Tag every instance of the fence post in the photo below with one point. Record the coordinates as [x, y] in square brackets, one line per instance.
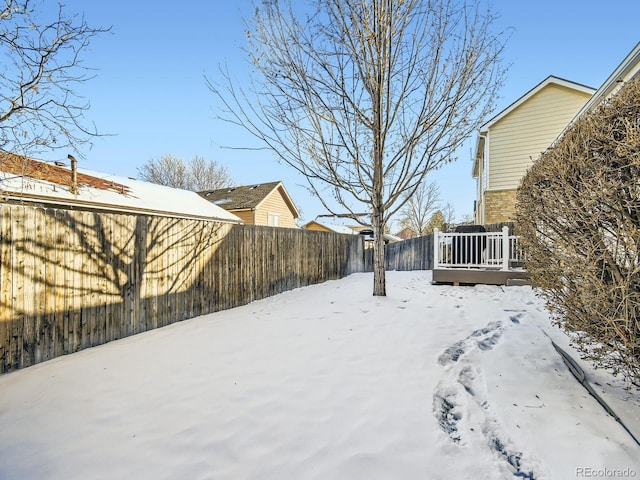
[436, 245]
[505, 248]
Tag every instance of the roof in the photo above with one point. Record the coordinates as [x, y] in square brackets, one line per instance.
[629, 68]
[247, 197]
[353, 230]
[503, 113]
[333, 227]
[26, 179]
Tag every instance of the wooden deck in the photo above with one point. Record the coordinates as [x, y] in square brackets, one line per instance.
[473, 276]
[469, 258]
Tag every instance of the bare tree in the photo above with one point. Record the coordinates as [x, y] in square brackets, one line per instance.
[366, 97]
[467, 218]
[40, 70]
[449, 215]
[197, 175]
[418, 208]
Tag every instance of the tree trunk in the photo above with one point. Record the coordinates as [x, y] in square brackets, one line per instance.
[379, 281]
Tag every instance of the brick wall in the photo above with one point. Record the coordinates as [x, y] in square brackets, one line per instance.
[499, 206]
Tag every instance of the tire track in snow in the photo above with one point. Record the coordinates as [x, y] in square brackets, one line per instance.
[460, 401]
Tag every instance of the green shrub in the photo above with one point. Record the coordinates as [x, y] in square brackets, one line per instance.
[578, 212]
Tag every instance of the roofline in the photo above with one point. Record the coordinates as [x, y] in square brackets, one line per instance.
[484, 129]
[62, 202]
[292, 206]
[243, 209]
[631, 61]
[547, 81]
[328, 227]
[313, 221]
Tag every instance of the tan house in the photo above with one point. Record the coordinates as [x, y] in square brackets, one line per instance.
[508, 144]
[261, 204]
[365, 231]
[328, 227]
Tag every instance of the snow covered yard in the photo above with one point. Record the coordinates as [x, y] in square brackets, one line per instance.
[324, 382]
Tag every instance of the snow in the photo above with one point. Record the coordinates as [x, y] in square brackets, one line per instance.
[141, 197]
[325, 382]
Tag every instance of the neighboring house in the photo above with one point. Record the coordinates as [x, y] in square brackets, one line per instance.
[28, 181]
[328, 227]
[508, 144]
[261, 204]
[406, 233]
[366, 232]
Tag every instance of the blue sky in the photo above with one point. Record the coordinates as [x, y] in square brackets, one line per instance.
[149, 91]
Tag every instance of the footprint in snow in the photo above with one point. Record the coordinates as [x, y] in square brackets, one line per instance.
[453, 353]
[484, 339]
[448, 413]
[513, 458]
[468, 395]
[516, 317]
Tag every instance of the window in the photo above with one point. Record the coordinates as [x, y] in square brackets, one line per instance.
[273, 219]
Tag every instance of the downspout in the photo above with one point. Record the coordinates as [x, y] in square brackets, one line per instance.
[481, 177]
[485, 172]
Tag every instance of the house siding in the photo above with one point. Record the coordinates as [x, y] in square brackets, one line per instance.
[317, 227]
[274, 203]
[245, 215]
[520, 137]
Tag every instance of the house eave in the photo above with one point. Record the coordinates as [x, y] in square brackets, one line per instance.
[628, 68]
[12, 197]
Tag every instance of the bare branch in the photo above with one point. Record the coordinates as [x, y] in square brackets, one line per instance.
[366, 98]
[41, 68]
[196, 175]
[421, 204]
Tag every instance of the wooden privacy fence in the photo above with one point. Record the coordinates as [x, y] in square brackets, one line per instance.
[70, 279]
[411, 254]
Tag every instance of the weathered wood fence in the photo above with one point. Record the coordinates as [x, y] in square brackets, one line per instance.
[70, 279]
[417, 253]
[411, 254]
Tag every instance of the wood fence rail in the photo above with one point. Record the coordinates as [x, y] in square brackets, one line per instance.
[71, 279]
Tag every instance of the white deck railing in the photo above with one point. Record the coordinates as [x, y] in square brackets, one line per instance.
[477, 250]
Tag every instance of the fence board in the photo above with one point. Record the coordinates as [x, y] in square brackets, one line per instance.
[111, 275]
[71, 279]
[29, 261]
[44, 272]
[6, 288]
